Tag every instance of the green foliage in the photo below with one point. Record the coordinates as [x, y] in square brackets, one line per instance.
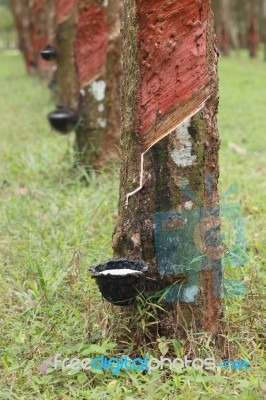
[53, 226]
[6, 18]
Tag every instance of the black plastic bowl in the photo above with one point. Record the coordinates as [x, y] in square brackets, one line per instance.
[120, 290]
[49, 53]
[63, 120]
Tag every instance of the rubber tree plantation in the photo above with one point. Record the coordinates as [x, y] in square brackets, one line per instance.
[21, 12]
[79, 44]
[167, 239]
[264, 27]
[41, 31]
[226, 33]
[168, 216]
[35, 26]
[88, 75]
[253, 27]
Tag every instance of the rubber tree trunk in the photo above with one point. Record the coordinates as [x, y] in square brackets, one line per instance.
[253, 28]
[225, 26]
[66, 75]
[241, 20]
[170, 64]
[226, 29]
[21, 12]
[42, 25]
[264, 27]
[88, 76]
[98, 37]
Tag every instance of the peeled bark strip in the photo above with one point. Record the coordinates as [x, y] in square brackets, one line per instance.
[170, 63]
[97, 55]
[169, 45]
[91, 41]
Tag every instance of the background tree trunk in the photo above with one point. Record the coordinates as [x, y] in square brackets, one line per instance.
[36, 27]
[226, 29]
[21, 12]
[264, 27]
[253, 28]
[241, 13]
[66, 75]
[88, 75]
[98, 135]
[50, 67]
[180, 163]
[42, 25]
[225, 26]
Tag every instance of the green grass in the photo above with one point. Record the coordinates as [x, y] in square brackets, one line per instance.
[52, 227]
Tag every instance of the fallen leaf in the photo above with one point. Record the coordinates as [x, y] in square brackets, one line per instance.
[236, 148]
[45, 365]
[22, 190]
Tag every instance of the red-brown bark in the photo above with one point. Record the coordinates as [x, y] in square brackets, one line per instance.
[155, 40]
[40, 29]
[36, 28]
[225, 27]
[89, 74]
[21, 12]
[170, 45]
[264, 27]
[64, 8]
[91, 43]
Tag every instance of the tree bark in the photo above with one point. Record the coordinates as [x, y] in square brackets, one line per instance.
[184, 158]
[264, 27]
[21, 12]
[88, 76]
[225, 26]
[253, 28]
[98, 135]
[42, 26]
[66, 75]
[35, 21]
[241, 20]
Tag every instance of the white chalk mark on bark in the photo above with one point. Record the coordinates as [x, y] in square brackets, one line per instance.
[101, 107]
[182, 156]
[102, 122]
[188, 205]
[98, 90]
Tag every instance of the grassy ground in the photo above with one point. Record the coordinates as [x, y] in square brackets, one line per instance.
[52, 227]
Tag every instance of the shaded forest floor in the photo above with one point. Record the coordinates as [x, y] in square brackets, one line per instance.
[52, 227]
